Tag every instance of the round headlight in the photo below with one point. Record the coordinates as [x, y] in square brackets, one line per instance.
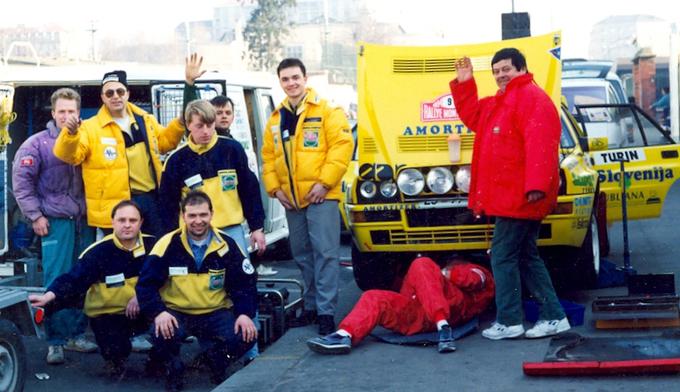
[440, 180]
[368, 189]
[463, 179]
[411, 182]
[388, 189]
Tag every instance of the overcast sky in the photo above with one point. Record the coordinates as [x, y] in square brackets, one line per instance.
[455, 20]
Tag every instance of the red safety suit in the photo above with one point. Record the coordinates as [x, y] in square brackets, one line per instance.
[426, 296]
[517, 135]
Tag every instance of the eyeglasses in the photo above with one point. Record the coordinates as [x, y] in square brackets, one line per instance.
[119, 91]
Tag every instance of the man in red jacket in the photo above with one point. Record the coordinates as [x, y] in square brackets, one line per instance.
[429, 299]
[514, 179]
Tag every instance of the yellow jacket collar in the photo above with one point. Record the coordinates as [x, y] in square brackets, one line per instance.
[311, 98]
[105, 117]
[200, 149]
[137, 251]
[217, 244]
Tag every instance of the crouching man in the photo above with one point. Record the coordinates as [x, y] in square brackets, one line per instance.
[429, 299]
[197, 282]
[108, 271]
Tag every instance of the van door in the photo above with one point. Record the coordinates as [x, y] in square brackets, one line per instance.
[650, 155]
[6, 92]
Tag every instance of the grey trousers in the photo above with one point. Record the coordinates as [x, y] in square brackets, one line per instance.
[315, 244]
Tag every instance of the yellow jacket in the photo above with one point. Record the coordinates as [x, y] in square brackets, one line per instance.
[100, 147]
[319, 152]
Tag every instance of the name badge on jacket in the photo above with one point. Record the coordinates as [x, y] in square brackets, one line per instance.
[178, 271]
[115, 280]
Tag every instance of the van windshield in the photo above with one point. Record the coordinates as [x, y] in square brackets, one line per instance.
[586, 95]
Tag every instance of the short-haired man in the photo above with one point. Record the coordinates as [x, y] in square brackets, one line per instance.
[119, 150]
[50, 194]
[514, 179]
[196, 281]
[306, 150]
[429, 299]
[108, 271]
[219, 167]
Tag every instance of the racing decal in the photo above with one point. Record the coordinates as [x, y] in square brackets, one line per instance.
[556, 52]
[228, 179]
[657, 173]
[583, 201]
[441, 109]
[633, 198]
[110, 153]
[216, 279]
[310, 138]
[115, 280]
[424, 130]
[632, 155]
[247, 267]
[423, 205]
[376, 171]
[26, 161]
[586, 180]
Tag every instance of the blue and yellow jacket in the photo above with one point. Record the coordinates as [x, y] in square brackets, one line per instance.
[108, 272]
[170, 278]
[219, 169]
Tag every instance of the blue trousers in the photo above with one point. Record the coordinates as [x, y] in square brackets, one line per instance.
[214, 330]
[113, 332]
[515, 259]
[66, 239]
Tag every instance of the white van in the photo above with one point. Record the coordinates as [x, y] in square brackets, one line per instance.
[158, 90]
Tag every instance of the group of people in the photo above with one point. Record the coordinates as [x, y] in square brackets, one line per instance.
[173, 259]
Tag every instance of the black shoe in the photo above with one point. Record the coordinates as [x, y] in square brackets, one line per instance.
[305, 318]
[326, 324]
[446, 341]
[114, 368]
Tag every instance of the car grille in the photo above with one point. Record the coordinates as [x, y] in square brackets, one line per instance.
[440, 217]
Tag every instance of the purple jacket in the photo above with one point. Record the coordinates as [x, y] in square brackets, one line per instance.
[44, 185]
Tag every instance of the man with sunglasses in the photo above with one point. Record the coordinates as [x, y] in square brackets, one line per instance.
[119, 152]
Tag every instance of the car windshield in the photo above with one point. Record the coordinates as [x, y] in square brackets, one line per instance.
[566, 140]
[586, 95]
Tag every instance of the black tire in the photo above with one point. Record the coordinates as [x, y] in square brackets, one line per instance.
[374, 270]
[12, 358]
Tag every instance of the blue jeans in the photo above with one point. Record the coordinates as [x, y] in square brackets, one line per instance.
[66, 239]
[113, 332]
[515, 259]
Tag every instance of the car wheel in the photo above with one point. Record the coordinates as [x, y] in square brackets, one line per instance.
[12, 358]
[373, 270]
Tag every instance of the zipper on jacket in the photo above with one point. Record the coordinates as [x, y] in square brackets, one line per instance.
[288, 164]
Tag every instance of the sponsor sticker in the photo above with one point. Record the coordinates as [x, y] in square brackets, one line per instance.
[110, 153]
[26, 161]
[441, 108]
[229, 180]
[631, 155]
[247, 266]
[216, 281]
[311, 138]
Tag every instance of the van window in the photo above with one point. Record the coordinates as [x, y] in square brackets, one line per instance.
[586, 95]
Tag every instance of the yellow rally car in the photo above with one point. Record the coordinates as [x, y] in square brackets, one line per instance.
[407, 196]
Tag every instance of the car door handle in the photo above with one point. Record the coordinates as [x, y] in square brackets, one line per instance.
[669, 154]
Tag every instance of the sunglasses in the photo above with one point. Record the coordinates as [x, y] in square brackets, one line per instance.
[119, 91]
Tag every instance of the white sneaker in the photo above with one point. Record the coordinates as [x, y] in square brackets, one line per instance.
[499, 331]
[140, 344]
[263, 270]
[55, 355]
[544, 328]
[80, 345]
